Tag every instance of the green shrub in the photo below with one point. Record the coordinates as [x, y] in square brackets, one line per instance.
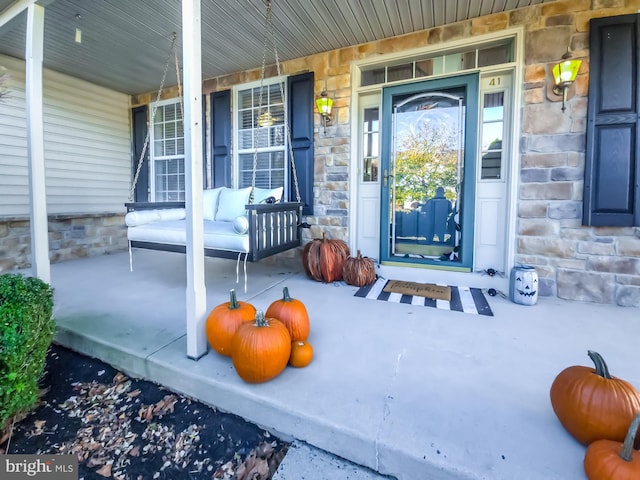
[26, 332]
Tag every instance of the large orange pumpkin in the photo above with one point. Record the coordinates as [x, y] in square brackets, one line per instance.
[224, 320]
[292, 313]
[359, 271]
[261, 349]
[324, 258]
[610, 460]
[593, 405]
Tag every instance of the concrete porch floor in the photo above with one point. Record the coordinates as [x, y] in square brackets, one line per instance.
[408, 391]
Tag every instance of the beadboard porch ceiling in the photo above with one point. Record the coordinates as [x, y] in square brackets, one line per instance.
[125, 43]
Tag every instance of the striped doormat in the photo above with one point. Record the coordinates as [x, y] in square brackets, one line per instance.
[463, 299]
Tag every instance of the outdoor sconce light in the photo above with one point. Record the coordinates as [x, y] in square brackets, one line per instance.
[325, 104]
[564, 74]
[265, 119]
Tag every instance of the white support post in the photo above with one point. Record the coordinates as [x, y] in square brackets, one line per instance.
[35, 144]
[192, 76]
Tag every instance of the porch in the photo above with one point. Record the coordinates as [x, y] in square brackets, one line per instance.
[409, 391]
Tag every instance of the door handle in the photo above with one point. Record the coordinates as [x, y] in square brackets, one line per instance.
[386, 177]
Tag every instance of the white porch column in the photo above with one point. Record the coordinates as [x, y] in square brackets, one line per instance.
[192, 76]
[35, 144]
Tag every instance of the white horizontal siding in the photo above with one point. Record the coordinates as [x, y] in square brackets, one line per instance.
[87, 145]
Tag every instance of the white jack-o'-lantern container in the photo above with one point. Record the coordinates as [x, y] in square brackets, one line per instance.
[523, 285]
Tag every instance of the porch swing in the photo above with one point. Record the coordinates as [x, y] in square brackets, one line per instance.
[254, 225]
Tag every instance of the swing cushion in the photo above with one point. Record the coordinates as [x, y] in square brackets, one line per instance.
[217, 235]
[142, 217]
[231, 203]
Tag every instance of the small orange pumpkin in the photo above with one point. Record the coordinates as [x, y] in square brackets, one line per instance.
[292, 313]
[359, 271]
[261, 349]
[610, 460]
[593, 405]
[301, 354]
[224, 320]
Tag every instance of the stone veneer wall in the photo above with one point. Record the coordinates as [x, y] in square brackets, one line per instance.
[573, 262]
[70, 236]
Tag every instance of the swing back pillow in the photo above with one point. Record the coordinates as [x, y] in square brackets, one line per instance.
[210, 203]
[262, 194]
[232, 203]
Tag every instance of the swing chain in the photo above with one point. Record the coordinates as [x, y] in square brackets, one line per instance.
[153, 113]
[269, 30]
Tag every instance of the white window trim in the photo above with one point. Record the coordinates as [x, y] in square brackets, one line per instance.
[151, 146]
[236, 89]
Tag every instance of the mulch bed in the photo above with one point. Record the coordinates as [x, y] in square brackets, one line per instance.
[123, 428]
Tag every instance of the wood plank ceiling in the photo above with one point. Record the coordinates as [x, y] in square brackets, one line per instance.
[125, 42]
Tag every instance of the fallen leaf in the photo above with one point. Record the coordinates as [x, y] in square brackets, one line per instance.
[261, 468]
[105, 471]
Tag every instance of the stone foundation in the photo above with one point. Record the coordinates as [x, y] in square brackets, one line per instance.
[70, 236]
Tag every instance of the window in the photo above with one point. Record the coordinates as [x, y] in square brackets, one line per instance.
[167, 153]
[261, 136]
[439, 64]
[370, 142]
[492, 133]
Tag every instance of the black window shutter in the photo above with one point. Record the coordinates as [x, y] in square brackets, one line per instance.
[612, 166]
[139, 125]
[300, 112]
[220, 127]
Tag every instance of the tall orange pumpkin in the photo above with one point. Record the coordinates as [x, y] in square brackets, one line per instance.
[292, 313]
[323, 258]
[261, 349]
[224, 320]
[593, 405]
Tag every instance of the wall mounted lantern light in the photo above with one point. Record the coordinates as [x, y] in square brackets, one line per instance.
[265, 119]
[564, 74]
[325, 105]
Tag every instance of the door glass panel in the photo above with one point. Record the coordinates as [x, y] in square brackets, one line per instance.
[494, 55]
[372, 77]
[492, 133]
[427, 170]
[400, 72]
[370, 145]
[424, 68]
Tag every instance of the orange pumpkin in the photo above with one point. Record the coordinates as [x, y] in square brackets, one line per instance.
[324, 258]
[359, 271]
[610, 460]
[593, 405]
[224, 320]
[301, 354]
[261, 349]
[292, 313]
